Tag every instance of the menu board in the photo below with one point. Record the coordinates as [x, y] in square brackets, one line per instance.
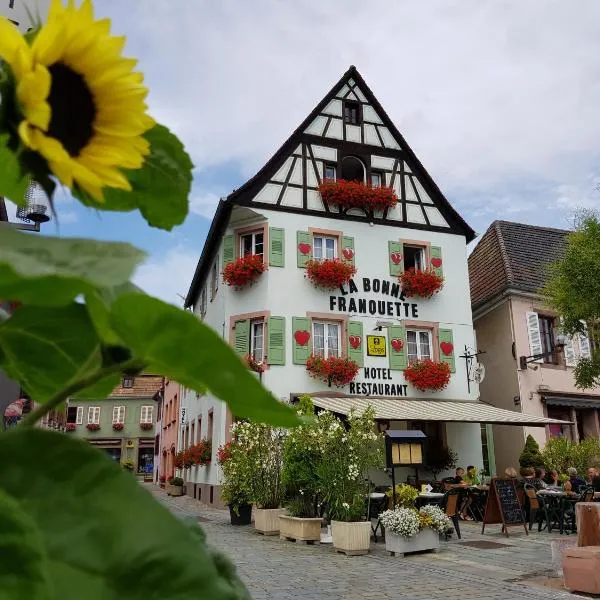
[503, 506]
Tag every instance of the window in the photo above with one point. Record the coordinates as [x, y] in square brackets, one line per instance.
[211, 424]
[79, 417]
[418, 345]
[193, 434]
[203, 302]
[71, 414]
[329, 173]
[200, 427]
[414, 257]
[257, 329]
[128, 382]
[326, 339]
[324, 247]
[146, 414]
[93, 415]
[351, 112]
[118, 415]
[214, 282]
[547, 339]
[252, 243]
[376, 179]
[353, 169]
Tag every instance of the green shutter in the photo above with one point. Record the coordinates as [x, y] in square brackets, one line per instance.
[356, 342]
[396, 258]
[398, 357]
[276, 346]
[276, 247]
[303, 242]
[228, 249]
[348, 249]
[302, 344]
[241, 331]
[446, 342]
[435, 259]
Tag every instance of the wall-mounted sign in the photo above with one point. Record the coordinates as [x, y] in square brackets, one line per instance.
[378, 382]
[376, 345]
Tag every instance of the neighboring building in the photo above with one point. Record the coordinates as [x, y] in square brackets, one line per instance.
[280, 216]
[169, 428]
[123, 425]
[507, 269]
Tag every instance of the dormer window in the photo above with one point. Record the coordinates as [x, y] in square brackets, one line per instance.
[329, 173]
[252, 243]
[351, 112]
[128, 381]
[414, 258]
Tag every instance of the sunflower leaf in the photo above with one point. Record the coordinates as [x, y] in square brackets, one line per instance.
[106, 536]
[176, 344]
[52, 271]
[13, 183]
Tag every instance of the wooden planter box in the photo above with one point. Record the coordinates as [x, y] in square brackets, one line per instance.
[174, 490]
[351, 538]
[581, 567]
[266, 520]
[300, 528]
[428, 539]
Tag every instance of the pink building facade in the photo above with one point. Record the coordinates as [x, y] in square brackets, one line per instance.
[169, 429]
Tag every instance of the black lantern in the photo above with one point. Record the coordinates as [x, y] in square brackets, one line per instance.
[37, 207]
[403, 448]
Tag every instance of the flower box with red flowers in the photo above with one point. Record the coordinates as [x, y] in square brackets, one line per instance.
[258, 366]
[243, 271]
[224, 453]
[335, 370]
[200, 453]
[330, 273]
[118, 426]
[146, 426]
[354, 194]
[70, 427]
[93, 426]
[427, 375]
[179, 459]
[421, 283]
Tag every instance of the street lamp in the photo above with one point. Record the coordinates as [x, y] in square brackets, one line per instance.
[403, 448]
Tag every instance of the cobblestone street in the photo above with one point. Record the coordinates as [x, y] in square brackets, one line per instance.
[277, 570]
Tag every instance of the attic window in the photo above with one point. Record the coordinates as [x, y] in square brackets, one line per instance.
[128, 381]
[351, 112]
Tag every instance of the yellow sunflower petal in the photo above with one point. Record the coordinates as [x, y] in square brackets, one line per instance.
[49, 43]
[11, 41]
[90, 182]
[39, 115]
[26, 134]
[109, 176]
[34, 87]
[56, 10]
[63, 170]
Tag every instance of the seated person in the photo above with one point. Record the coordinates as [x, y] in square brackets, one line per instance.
[471, 476]
[576, 482]
[510, 473]
[596, 483]
[460, 473]
[538, 480]
[552, 479]
[590, 474]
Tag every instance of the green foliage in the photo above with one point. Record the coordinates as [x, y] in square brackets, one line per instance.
[128, 465]
[13, 183]
[406, 495]
[560, 453]
[531, 455]
[176, 481]
[573, 289]
[440, 458]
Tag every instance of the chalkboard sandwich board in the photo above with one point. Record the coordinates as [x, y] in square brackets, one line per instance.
[503, 506]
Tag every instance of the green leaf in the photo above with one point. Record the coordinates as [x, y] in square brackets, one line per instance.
[24, 567]
[46, 348]
[106, 537]
[13, 183]
[176, 344]
[160, 189]
[51, 271]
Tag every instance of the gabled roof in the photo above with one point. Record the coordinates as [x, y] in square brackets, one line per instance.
[144, 386]
[513, 256]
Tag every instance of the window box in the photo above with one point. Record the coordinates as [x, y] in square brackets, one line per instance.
[243, 271]
[93, 426]
[118, 426]
[200, 453]
[354, 194]
[335, 370]
[421, 283]
[329, 273]
[146, 426]
[427, 375]
[258, 366]
[70, 427]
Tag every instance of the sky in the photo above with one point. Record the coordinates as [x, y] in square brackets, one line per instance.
[499, 100]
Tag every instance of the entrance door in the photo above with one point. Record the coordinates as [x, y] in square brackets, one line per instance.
[146, 460]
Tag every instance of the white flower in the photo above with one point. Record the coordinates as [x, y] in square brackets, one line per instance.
[401, 521]
[441, 522]
[346, 505]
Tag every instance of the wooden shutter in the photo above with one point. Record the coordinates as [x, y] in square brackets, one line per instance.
[533, 331]
[446, 345]
[228, 249]
[569, 350]
[348, 249]
[395, 258]
[241, 331]
[276, 247]
[356, 350]
[435, 258]
[397, 348]
[301, 342]
[303, 248]
[276, 346]
[584, 343]
[79, 415]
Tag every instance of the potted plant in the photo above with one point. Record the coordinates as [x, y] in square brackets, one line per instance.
[336, 370]
[258, 366]
[174, 486]
[235, 490]
[406, 496]
[117, 426]
[411, 530]
[243, 271]
[199, 454]
[146, 426]
[424, 283]
[330, 273]
[70, 426]
[427, 375]
[92, 426]
[348, 453]
[162, 480]
[354, 194]
[440, 458]
[128, 464]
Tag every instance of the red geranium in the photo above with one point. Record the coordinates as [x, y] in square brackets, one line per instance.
[427, 375]
[70, 427]
[93, 426]
[200, 453]
[224, 453]
[146, 426]
[330, 273]
[354, 194]
[243, 271]
[421, 283]
[178, 460]
[337, 370]
[117, 426]
[254, 365]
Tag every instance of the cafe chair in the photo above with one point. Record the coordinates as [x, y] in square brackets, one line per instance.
[448, 482]
[534, 507]
[451, 503]
[587, 494]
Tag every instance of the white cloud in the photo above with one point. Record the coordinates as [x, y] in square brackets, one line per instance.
[204, 205]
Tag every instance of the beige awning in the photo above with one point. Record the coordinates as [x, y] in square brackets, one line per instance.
[396, 409]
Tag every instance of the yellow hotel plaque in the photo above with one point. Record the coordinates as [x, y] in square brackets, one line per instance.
[376, 345]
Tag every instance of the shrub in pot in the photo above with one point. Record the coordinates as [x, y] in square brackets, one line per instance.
[128, 465]
[174, 486]
[531, 455]
[235, 490]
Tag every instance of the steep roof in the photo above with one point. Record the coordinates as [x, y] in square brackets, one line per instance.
[144, 386]
[513, 256]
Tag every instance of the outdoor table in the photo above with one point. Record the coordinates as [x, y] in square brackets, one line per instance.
[425, 498]
[558, 502]
[377, 503]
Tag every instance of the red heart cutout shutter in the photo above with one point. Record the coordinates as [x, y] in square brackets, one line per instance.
[302, 336]
[446, 348]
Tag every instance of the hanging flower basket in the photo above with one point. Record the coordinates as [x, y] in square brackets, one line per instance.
[243, 271]
[335, 370]
[70, 427]
[427, 375]
[93, 426]
[353, 194]
[200, 453]
[118, 426]
[146, 426]
[330, 273]
[258, 366]
[421, 283]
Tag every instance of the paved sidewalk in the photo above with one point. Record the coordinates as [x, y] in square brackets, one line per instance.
[278, 570]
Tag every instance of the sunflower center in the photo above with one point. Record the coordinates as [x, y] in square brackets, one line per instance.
[73, 109]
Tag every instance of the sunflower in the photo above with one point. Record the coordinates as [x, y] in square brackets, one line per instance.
[81, 104]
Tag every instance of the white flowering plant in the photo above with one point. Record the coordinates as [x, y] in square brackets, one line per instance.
[435, 518]
[408, 522]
